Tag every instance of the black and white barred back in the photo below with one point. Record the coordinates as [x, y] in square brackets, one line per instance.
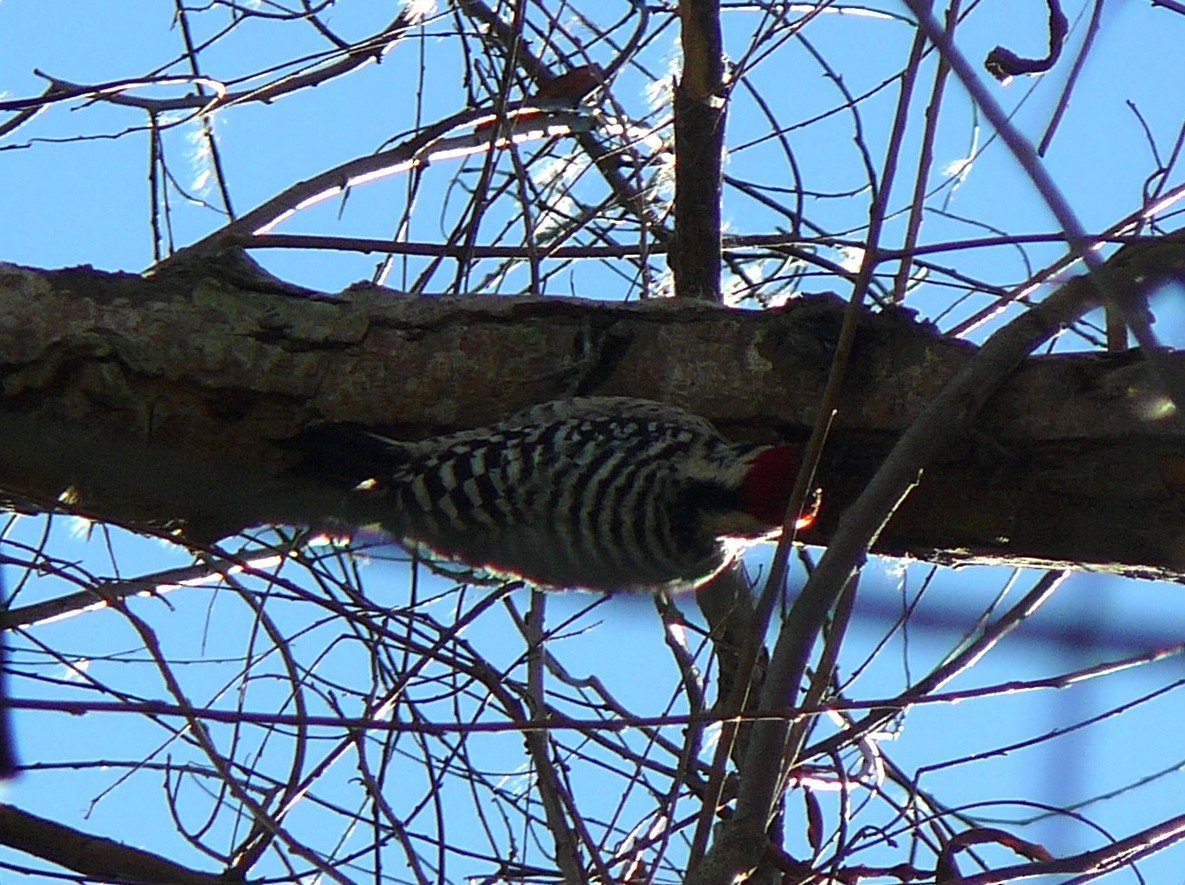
[605, 493]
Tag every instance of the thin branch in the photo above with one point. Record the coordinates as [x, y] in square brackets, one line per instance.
[947, 416]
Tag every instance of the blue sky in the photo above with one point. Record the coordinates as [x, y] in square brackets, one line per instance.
[69, 201]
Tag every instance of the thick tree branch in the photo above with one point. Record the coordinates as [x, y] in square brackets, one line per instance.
[168, 401]
[95, 857]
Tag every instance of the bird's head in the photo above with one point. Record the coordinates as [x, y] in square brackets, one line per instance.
[763, 495]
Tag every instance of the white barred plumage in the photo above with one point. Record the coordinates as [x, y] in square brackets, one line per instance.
[604, 493]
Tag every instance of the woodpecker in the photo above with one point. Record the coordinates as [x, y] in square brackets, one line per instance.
[602, 493]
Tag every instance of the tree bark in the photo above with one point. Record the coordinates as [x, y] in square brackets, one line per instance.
[170, 403]
[92, 856]
[700, 110]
